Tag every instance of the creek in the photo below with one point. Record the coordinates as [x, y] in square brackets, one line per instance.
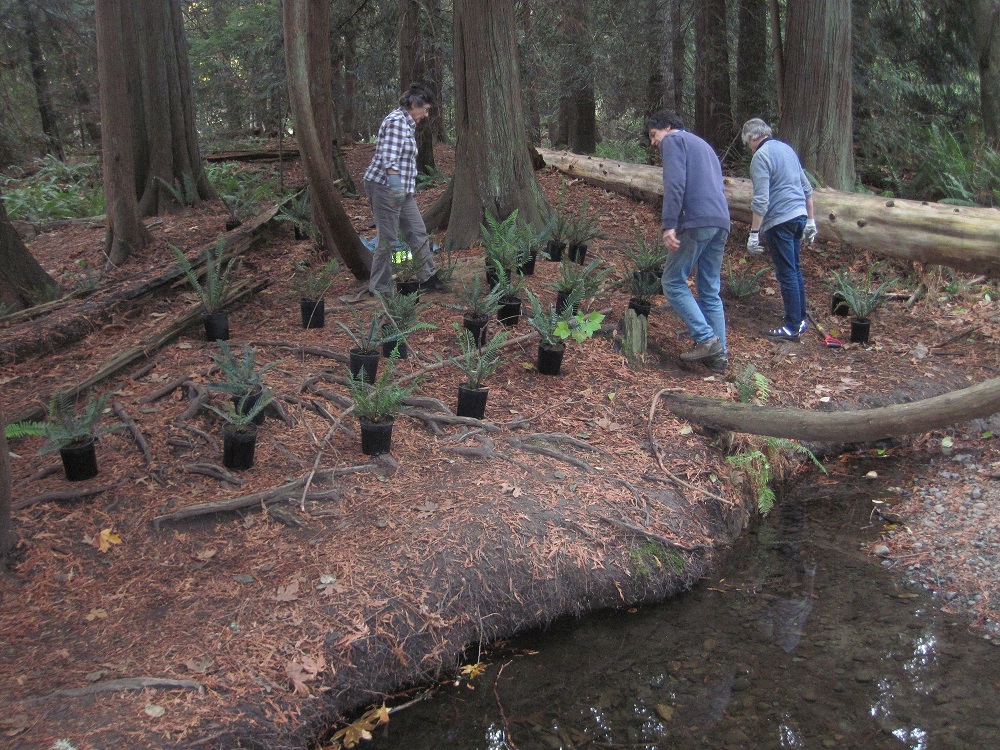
[798, 640]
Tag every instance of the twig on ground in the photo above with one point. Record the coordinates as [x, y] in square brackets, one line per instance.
[562, 437]
[313, 350]
[214, 471]
[212, 442]
[952, 339]
[199, 397]
[503, 715]
[140, 439]
[40, 474]
[550, 452]
[165, 390]
[61, 495]
[651, 535]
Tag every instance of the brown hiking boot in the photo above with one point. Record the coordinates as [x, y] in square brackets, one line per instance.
[706, 350]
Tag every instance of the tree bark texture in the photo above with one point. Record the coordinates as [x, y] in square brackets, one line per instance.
[6, 531]
[964, 238]
[416, 65]
[328, 210]
[40, 77]
[978, 401]
[752, 84]
[816, 116]
[578, 108]
[119, 118]
[986, 30]
[22, 280]
[713, 115]
[493, 169]
[530, 72]
[777, 50]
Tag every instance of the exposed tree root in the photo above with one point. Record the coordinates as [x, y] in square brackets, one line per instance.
[550, 452]
[488, 450]
[61, 496]
[199, 397]
[214, 471]
[652, 536]
[128, 683]
[140, 439]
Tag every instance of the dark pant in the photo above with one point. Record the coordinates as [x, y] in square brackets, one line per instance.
[391, 220]
[784, 241]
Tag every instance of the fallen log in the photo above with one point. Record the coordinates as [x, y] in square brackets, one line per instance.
[25, 336]
[852, 426]
[965, 238]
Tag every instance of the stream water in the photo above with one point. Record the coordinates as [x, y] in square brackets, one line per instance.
[799, 641]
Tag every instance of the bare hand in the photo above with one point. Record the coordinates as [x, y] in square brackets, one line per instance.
[670, 240]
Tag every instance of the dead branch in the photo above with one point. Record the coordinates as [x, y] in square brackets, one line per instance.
[140, 439]
[952, 339]
[550, 452]
[40, 474]
[564, 439]
[283, 515]
[653, 536]
[199, 397]
[212, 442]
[214, 471]
[166, 390]
[128, 683]
[61, 496]
[315, 351]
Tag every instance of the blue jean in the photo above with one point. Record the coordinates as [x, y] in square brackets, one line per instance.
[700, 249]
[784, 241]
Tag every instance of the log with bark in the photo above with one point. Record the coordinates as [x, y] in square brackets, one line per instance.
[976, 402]
[965, 238]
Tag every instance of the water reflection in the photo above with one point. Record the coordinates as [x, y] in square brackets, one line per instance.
[799, 642]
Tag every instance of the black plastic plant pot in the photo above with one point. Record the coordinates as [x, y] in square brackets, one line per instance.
[232, 224]
[313, 312]
[550, 359]
[244, 404]
[376, 437]
[364, 365]
[528, 267]
[472, 402]
[80, 461]
[860, 330]
[476, 326]
[641, 306]
[216, 326]
[492, 277]
[561, 298]
[407, 287]
[390, 346]
[577, 253]
[510, 312]
[555, 250]
[299, 234]
[839, 306]
[238, 446]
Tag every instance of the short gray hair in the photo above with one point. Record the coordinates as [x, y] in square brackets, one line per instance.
[756, 128]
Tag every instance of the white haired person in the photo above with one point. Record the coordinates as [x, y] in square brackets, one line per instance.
[391, 187]
[782, 207]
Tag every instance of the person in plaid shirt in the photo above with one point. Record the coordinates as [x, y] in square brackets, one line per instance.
[391, 186]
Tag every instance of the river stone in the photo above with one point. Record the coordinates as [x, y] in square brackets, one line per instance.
[882, 551]
[809, 694]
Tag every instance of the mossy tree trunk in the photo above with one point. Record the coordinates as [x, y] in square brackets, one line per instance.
[493, 169]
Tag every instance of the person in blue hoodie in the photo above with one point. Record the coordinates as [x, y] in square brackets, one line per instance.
[695, 223]
[782, 215]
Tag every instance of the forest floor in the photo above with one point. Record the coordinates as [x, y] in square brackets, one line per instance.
[267, 625]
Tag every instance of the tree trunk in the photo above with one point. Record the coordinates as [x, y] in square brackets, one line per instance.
[90, 127]
[415, 66]
[713, 119]
[530, 72]
[46, 112]
[986, 30]
[493, 169]
[963, 238]
[6, 532]
[328, 210]
[678, 45]
[126, 232]
[816, 117]
[22, 280]
[777, 50]
[350, 84]
[751, 63]
[579, 98]
[978, 402]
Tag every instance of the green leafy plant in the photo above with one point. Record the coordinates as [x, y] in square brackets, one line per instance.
[583, 226]
[68, 425]
[403, 310]
[478, 363]
[297, 211]
[509, 285]
[745, 283]
[241, 415]
[405, 267]
[55, 190]
[863, 296]
[369, 337]
[381, 400]
[20, 430]
[432, 177]
[752, 387]
[588, 279]
[477, 300]
[241, 375]
[559, 224]
[647, 257]
[214, 286]
[555, 327]
[309, 282]
[641, 285]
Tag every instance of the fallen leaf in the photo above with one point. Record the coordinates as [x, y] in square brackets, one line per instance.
[154, 711]
[666, 712]
[288, 593]
[96, 614]
[106, 539]
[685, 430]
[205, 554]
[472, 671]
[871, 475]
[200, 665]
[303, 670]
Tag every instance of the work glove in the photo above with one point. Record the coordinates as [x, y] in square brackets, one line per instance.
[810, 231]
[753, 244]
[396, 192]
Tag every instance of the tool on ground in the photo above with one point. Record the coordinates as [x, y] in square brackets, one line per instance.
[829, 341]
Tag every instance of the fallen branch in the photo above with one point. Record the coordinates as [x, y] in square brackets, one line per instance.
[952, 339]
[61, 496]
[212, 442]
[165, 390]
[199, 397]
[214, 471]
[312, 350]
[140, 439]
[563, 438]
[550, 452]
[653, 536]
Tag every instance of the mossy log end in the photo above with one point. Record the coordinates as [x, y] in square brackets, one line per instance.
[965, 238]
[863, 425]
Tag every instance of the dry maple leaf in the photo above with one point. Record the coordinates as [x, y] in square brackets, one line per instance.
[472, 671]
[106, 539]
[303, 670]
[288, 593]
[361, 729]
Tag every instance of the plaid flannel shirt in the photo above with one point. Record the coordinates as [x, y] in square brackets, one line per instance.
[396, 148]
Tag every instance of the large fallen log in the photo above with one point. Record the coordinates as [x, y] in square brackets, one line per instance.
[861, 425]
[27, 336]
[964, 238]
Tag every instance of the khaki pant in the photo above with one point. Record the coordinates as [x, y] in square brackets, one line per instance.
[391, 221]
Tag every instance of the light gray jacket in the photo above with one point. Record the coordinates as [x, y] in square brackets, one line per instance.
[780, 186]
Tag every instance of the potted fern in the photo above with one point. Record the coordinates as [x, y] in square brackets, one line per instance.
[558, 229]
[73, 432]
[242, 378]
[239, 433]
[648, 260]
[581, 230]
[864, 297]
[576, 277]
[369, 338]
[212, 288]
[375, 405]
[403, 312]
[478, 362]
[641, 288]
[480, 305]
[556, 327]
[311, 284]
[508, 289]
[297, 211]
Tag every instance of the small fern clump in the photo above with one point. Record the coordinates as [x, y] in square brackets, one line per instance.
[478, 363]
[379, 401]
[213, 288]
[745, 283]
